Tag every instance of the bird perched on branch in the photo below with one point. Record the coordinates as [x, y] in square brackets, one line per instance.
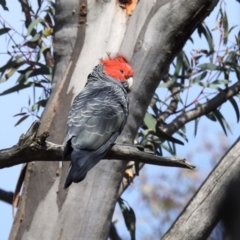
[97, 116]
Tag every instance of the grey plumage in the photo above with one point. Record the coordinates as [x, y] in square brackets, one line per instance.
[97, 116]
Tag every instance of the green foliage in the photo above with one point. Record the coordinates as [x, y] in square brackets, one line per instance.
[204, 72]
[195, 78]
[30, 59]
[235, 107]
[204, 30]
[222, 121]
[33, 25]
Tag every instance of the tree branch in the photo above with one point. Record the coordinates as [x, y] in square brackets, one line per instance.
[31, 148]
[190, 115]
[203, 109]
[217, 197]
[172, 107]
[149, 65]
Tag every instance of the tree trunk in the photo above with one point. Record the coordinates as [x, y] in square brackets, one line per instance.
[150, 39]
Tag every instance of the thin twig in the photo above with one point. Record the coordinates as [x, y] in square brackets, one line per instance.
[188, 116]
[172, 107]
[203, 109]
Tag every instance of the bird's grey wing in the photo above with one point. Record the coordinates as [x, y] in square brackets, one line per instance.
[96, 119]
[96, 114]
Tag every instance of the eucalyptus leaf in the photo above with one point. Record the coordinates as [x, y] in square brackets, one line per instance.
[21, 120]
[196, 121]
[4, 30]
[183, 135]
[129, 217]
[199, 77]
[225, 28]
[222, 121]
[33, 24]
[10, 67]
[209, 66]
[203, 29]
[36, 37]
[150, 121]
[211, 116]
[179, 64]
[4, 5]
[235, 106]
[16, 88]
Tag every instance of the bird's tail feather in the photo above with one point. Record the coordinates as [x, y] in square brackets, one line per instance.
[68, 180]
[84, 160]
[74, 171]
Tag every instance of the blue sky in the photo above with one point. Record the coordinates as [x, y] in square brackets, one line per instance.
[11, 104]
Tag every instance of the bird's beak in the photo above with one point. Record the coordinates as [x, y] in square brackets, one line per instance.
[130, 82]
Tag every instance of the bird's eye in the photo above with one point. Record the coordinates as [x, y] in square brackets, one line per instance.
[121, 71]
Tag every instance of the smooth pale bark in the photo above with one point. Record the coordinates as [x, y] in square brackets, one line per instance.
[150, 38]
